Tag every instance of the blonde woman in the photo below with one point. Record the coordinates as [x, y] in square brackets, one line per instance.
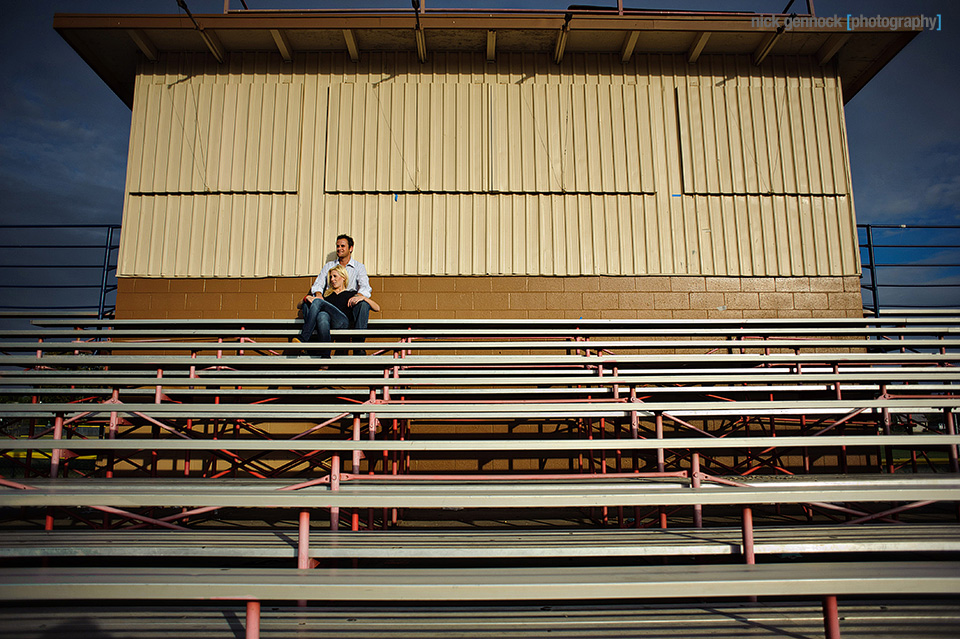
[321, 314]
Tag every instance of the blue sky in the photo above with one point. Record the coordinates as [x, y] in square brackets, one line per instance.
[63, 133]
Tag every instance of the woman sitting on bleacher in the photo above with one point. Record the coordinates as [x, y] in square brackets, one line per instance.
[320, 314]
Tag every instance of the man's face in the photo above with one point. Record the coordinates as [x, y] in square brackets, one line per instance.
[343, 249]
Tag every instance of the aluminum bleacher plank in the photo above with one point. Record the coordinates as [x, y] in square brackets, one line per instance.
[480, 584]
[407, 493]
[497, 344]
[879, 619]
[495, 361]
[486, 544]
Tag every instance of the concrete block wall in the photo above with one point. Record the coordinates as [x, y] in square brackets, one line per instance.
[511, 297]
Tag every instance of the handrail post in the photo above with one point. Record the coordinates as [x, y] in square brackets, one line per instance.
[872, 262]
[106, 267]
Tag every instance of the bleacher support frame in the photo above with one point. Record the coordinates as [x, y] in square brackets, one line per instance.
[628, 425]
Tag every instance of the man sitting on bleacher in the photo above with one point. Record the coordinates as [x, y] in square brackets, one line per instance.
[359, 280]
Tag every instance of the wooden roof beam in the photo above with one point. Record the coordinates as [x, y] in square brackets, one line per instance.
[421, 46]
[144, 43]
[831, 47]
[766, 46]
[491, 45]
[283, 44]
[629, 44]
[214, 45]
[352, 47]
[699, 41]
[561, 44]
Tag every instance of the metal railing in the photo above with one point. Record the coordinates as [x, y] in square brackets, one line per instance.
[909, 266]
[59, 269]
[71, 269]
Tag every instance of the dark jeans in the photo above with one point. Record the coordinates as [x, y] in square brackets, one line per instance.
[361, 315]
[319, 316]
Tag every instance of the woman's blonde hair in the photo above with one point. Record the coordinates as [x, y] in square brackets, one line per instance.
[339, 268]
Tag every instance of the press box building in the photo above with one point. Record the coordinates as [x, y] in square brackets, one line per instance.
[488, 164]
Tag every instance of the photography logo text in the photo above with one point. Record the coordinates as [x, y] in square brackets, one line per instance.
[850, 22]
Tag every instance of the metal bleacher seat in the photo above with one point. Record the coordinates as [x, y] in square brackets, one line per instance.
[525, 463]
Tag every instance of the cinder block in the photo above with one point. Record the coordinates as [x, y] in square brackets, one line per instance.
[688, 284]
[845, 300]
[509, 284]
[636, 301]
[671, 301]
[564, 301]
[725, 314]
[400, 284]
[787, 313]
[187, 285]
[690, 314]
[221, 286]
[151, 285]
[137, 301]
[580, 283]
[238, 302]
[387, 300]
[472, 285]
[776, 301]
[527, 301]
[126, 285]
[437, 314]
[758, 284]
[601, 301]
[741, 301]
[185, 314]
[418, 301]
[168, 302]
[137, 313]
[475, 314]
[707, 301]
[792, 284]
[544, 284]
[722, 284]
[276, 301]
[826, 284]
[618, 284]
[653, 283]
[267, 284]
[558, 314]
[851, 284]
[618, 314]
[437, 284]
[259, 313]
[202, 302]
[491, 301]
[451, 301]
[809, 301]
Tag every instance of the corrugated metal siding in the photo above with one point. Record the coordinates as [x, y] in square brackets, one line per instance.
[216, 138]
[460, 167]
[751, 140]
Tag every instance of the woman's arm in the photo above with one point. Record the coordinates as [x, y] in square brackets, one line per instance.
[356, 299]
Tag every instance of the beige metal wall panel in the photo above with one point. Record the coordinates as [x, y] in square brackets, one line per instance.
[407, 137]
[571, 138]
[782, 139]
[236, 235]
[223, 138]
[460, 167]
